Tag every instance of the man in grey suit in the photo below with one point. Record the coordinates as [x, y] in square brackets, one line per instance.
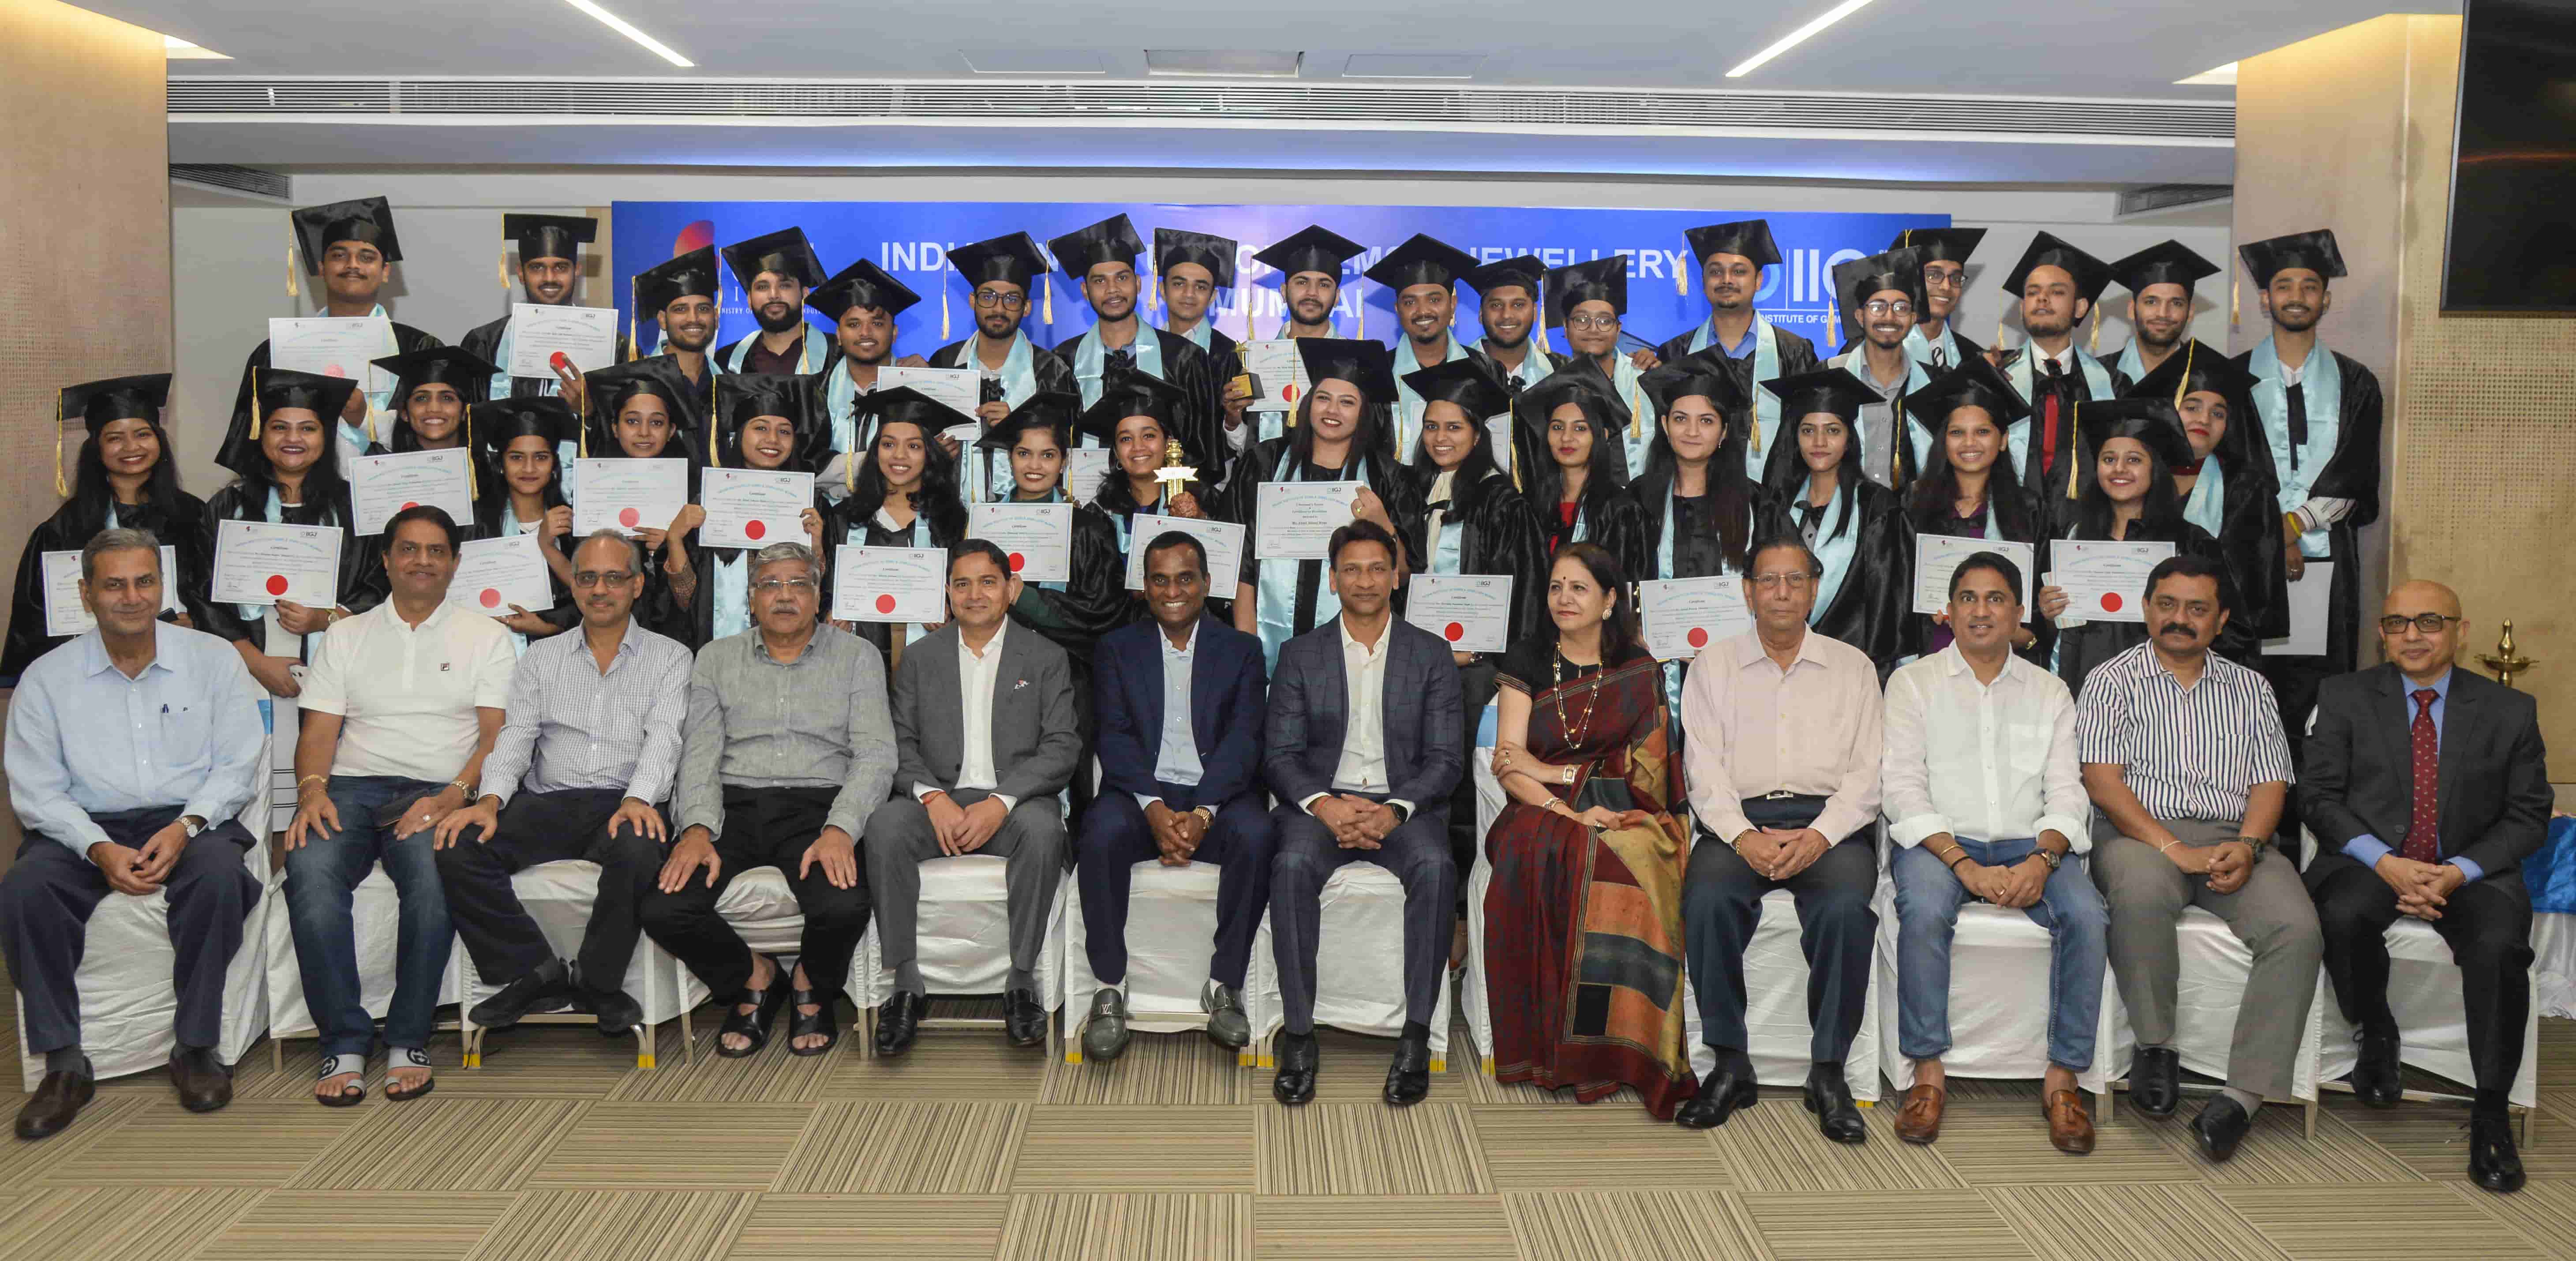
[984, 742]
[1363, 747]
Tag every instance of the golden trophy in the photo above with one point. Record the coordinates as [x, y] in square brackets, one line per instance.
[1174, 475]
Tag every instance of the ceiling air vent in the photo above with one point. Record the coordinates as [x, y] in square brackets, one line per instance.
[236, 179]
[2138, 201]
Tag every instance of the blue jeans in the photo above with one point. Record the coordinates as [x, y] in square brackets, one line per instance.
[1928, 897]
[321, 873]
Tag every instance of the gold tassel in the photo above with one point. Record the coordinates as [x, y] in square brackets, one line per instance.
[943, 307]
[1999, 329]
[502, 267]
[2094, 346]
[2074, 426]
[61, 490]
[1359, 304]
[2235, 292]
[291, 290]
[1153, 282]
[634, 322]
[254, 403]
[1679, 280]
[715, 427]
[473, 485]
[2184, 383]
[1636, 414]
[1046, 292]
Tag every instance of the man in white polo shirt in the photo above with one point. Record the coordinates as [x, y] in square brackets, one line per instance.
[400, 708]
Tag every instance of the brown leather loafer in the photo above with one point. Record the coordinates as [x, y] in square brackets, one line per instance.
[204, 1084]
[1919, 1121]
[58, 1099]
[2070, 1127]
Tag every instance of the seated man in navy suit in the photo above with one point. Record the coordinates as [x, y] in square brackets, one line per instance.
[1178, 708]
[1365, 743]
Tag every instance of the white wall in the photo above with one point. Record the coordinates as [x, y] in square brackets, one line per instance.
[230, 261]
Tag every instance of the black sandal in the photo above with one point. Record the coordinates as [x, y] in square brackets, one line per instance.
[756, 1024]
[823, 1021]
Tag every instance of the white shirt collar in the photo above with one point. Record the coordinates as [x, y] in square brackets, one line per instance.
[992, 647]
[1350, 645]
[1189, 643]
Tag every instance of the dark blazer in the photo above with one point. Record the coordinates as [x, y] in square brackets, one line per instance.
[1422, 712]
[2494, 778]
[1226, 690]
[1035, 743]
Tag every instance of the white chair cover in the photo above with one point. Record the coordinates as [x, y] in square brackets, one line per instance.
[1359, 971]
[2433, 1030]
[2215, 968]
[1999, 968]
[1171, 931]
[964, 935]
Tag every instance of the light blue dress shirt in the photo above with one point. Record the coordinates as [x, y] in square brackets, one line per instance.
[2368, 848]
[1176, 759]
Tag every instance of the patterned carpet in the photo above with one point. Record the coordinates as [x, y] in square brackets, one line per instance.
[560, 1148]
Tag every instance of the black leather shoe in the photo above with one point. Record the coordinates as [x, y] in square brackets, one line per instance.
[899, 1022]
[2495, 1164]
[1299, 1054]
[203, 1081]
[548, 988]
[57, 1100]
[1721, 1093]
[2155, 1081]
[1408, 1078]
[1024, 1020]
[618, 1014]
[1830, 1098]
[2220, 1127]
[2375, 1078]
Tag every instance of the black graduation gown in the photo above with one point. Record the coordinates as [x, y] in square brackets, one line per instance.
[2078, 649]
[842, 524]
[694, 624]
[1698, 553]
[1241, 506]
[1610, 517]
[1499, 536]
[362, 562]
[1201, 423]
[2050, 479]
[182, 527]
[1924, 638]
[1871, 608]
[831, 349]
[2249, 529]
[484, 341]
[2352, 472]
[1094, 601]
[1118, 508]
[487, 525]
[696, 418]
[1053, 374]
[406, 340]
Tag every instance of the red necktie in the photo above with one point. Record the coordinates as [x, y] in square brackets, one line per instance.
[2055, 387]
[2423, 843]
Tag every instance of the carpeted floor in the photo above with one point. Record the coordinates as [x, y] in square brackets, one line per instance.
[560, 1148]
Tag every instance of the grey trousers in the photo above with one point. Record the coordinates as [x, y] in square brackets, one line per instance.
[2272, 914]
[1416, 851]
[899, 840]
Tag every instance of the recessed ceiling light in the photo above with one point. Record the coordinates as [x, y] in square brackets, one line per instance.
[1797, 37]
[1231, 63]
[2222, 77]
[1412, 65]
[177, 49]
[627, 29]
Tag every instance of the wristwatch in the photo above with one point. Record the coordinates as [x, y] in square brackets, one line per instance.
[2256, 843]
[193, 824]
[2048, 856]
[1205, 815]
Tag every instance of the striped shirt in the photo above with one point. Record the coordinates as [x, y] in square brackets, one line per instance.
[572, 726]
[2187, 752]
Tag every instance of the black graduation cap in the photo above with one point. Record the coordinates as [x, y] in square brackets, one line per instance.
[1973, 383]
[1013, 259]
[1310, 249]
[690, 275]
[1534, 405]
[1216, 253]
[2192, 368]
[1125, 392]
[470, 373]
[95, 403]
[740, 396]
[2166, 263]
[1857, 280]
[2315, 251]
[1939, 245]
[368, 219]
[2152, 421]
[862, 284]
[1602, 280]
[1366, 364]
[904, 404]
[607, 390]
[2091, 274]
[1467, 383]
[1750, 238]
[549, 236]
[1422, 260]
[1523, 270]
[1051, 410]
[785, 251]
[281, 388]
[1704, 374]
[1833, 390]
[494, 424]
[1112, 240]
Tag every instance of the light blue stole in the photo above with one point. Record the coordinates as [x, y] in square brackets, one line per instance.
[1276, 607]
[1766, 405]
[2207, 505]
[1918, 439]
[1019, 384]
[1834, 552]
[1921, 347]
[2322, 379]
[1091, 361]
[1198, 334]
[1408, 405]
[732, 597]
[1535, 365]
[809, 360]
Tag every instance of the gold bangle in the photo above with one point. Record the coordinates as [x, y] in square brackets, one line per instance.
[324, 780]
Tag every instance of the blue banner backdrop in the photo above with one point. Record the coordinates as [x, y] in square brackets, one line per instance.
[911, 238]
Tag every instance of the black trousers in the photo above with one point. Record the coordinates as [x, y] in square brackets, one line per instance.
[499, 936]
[1721, 905]
[1115, 837]
[764, 827]
[2488, 925]
[45, 905]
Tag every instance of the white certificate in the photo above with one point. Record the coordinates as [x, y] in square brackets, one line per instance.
[1222, 540]
[64, 612]
[1085, 468]
[382, 485]
[586, 336]
[259, 563]
[1680, 616]
[2310, 609]
[344, 348]
[750, 508]
[2105, 582]
[1037, 537]
[1280, 372]
[493, 574]
[1297, 519]
[1935, 555]
[959, 388]
[889, 584]
[628, 495]
[1472, 611]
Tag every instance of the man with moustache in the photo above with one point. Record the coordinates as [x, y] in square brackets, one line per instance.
[1194, 266]
[2159, 280]
[1731, 258]
[776, 271]
[1877, 298]
[2185, 759]
[1936, 341]
[1507, 306]
[680, 297]
[1102, 259]
[587, 752]
[862, 303]
[549, 271]
[2056, 285]
[2428, 786]
[999, 274]
[1309, 264]
[1423, 273]
[351, 247]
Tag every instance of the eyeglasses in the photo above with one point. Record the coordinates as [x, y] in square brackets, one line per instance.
[1591, 321]
[1945, 279]
[1884, 307]
[594, 578]
[2429, 623]
[1778, 582]
[996, 297]
[772, 586]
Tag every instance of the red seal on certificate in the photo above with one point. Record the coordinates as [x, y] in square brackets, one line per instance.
[628, 517]
[2111, 601]
[561, 361]
[1018, 562]
[885, 604]
[410, 504]
[1455, 632]
[491, 597]
[1698, 637]
[277, 584]
[754, 529]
